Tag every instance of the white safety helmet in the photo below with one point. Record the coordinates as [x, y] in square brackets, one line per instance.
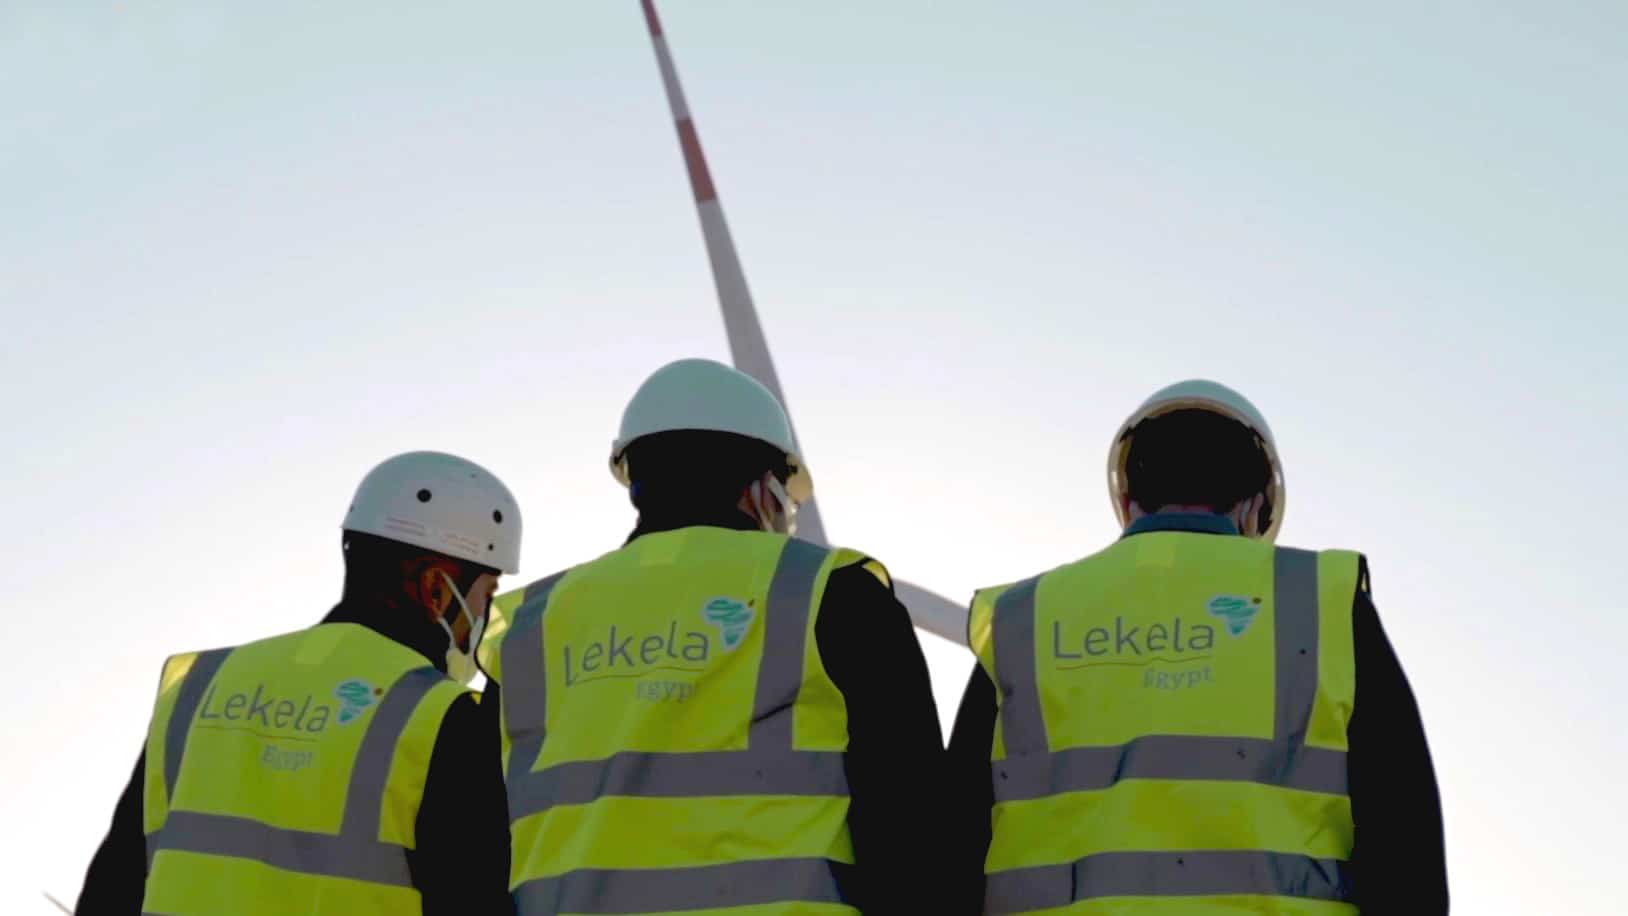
[1200, 394]
[442, 503]
[700, 394]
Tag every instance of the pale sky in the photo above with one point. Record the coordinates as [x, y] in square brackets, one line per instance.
[246, 254]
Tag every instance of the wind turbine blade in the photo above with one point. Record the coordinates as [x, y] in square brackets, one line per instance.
[747, 345]
[933, 612]
[57, 903]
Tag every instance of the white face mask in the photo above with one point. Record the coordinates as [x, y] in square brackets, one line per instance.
[461, 665]
[781, 522]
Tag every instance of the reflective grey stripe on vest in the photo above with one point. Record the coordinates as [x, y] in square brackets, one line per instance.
[1023, 725]
[1294, 590]
[785, 637]
[768, 766]
[656, 890]
[364, 797]
[1084, 769]
[1205, 873]
[193, 685]
[683, 775]
[356, 851]
[1030, 770]
[525, 694]
[325, 854]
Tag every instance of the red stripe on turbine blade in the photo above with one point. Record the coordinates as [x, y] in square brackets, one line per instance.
[650, 17]
[696, 162]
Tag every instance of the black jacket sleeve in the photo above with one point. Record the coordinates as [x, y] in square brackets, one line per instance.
[1400, 863]
[117, 878]
[970, 794]
[895, 750]
[461, 863]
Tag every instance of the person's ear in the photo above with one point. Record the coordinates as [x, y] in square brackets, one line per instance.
[433, 591]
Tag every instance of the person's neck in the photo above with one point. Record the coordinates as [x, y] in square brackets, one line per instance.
[656, 519]
[1136, 512]
[1186, 510]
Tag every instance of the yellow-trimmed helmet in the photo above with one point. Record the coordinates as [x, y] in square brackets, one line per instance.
[1200, 394]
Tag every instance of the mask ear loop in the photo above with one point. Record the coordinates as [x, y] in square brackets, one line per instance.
[788, 509]
[765, 518]
[759, 511]
[475, 626]
[461, 664]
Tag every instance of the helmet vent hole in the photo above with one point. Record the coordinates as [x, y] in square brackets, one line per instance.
[423, 496]
[497, 516]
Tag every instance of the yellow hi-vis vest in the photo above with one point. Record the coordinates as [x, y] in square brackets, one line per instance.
[671, 740]
[284, 776]
[1172, 730]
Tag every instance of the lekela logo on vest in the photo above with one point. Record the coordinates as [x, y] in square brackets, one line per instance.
[354, 696]
[1236, 611]
[1175, 653]
[624, 653]
[732, 617]
[263, 709]
[683, 648]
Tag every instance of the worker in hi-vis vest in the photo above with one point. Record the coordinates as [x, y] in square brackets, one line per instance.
[716, 716]
[1192, 720]
[344, 768]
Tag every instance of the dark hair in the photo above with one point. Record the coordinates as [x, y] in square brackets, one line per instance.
[698, 469]
[376, 567]
[1194, 458]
